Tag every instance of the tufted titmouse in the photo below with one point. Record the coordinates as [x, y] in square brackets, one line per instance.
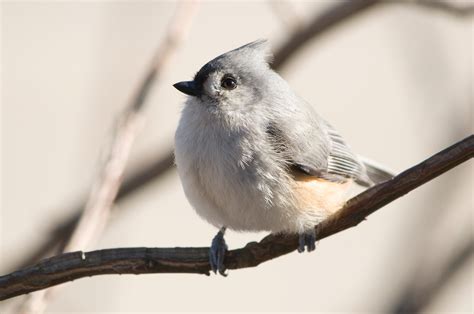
[253, 156]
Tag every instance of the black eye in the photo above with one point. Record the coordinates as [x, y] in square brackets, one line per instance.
[228, 82]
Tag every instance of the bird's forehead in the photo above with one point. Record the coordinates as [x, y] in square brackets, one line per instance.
[232, 62]
[215, 65]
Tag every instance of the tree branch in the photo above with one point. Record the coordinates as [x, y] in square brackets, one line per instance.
[70, 266]
[94, 217]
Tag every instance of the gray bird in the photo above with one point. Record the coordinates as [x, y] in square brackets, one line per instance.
[253, 156]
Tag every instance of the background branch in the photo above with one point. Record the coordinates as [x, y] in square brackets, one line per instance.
[94, 217]
[342, 12]
[70, 266]
[415, 298]
[62, 232]
[450, 7]
[286, 12]
[319, 25]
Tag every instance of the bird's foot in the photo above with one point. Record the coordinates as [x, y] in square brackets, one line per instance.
[307, 239]
[217, 253]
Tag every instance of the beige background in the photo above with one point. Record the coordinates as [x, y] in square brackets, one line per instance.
[396, 82]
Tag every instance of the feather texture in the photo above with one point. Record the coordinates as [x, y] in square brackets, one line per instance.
[340, 163]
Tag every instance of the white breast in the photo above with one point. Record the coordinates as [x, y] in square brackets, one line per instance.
[229, 182]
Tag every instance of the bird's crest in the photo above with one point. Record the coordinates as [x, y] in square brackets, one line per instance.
[259, 47]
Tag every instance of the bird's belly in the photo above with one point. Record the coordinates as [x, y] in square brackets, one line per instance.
[225, 199]
[316, 199]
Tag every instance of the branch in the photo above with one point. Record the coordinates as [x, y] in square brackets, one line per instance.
[94, 217]
[71, 266]
[110, 179]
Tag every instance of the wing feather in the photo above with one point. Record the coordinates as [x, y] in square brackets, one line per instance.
[340, 164]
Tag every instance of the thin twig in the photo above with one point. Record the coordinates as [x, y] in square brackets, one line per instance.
[102, 197]
[71, 266]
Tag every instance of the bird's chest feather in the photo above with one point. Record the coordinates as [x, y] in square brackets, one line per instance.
[230, 176]
[224, 163]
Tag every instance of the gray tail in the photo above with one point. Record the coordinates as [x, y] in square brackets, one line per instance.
[376, 172]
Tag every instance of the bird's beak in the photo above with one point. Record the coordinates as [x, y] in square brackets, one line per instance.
[189, 88]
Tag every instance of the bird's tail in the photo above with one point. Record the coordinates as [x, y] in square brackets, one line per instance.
[376, 172]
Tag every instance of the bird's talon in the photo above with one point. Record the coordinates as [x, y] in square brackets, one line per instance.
[301, 243]
[217, 253]
[307, 241]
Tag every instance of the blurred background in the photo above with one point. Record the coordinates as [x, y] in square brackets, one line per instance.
[396, 79]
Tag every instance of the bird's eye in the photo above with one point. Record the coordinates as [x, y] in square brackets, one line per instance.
[228, 82]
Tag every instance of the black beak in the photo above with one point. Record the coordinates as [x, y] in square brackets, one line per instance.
[189, 88]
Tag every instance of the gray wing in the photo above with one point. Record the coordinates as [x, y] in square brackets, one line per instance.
[342, 162]
[332, 158]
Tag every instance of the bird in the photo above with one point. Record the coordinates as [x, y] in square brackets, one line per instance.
[254, 156]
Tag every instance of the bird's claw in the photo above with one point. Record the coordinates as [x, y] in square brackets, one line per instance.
[217, 253]
[307, 240]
